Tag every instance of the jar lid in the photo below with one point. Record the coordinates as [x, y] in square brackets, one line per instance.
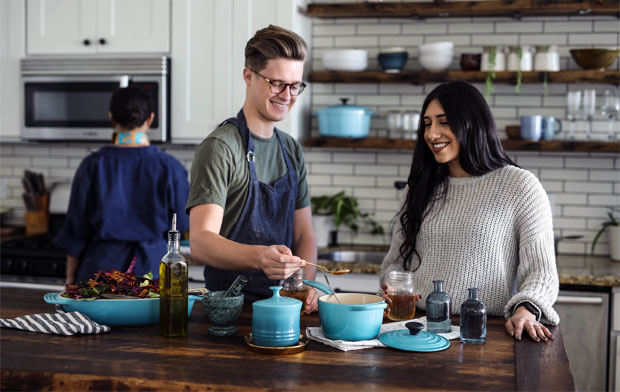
[276, 301]
[414, 339]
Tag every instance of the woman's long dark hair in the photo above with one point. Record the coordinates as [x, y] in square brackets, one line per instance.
[480, 152]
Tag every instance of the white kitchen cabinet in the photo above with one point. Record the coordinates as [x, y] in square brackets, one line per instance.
[208, 42]
[12, 49]
[97, 26]
[584, 320]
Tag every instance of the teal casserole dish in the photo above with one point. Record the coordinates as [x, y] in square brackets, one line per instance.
[116, 312]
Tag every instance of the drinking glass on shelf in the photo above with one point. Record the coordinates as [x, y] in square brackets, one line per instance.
[573, 104]
[610, 109]
[589, 108]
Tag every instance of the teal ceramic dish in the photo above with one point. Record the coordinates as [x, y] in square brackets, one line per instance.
[357, 316]
[275, 320]
[116, 312]
[348, 121]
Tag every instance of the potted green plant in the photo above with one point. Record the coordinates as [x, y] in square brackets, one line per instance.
[331, 211]
[613, 227]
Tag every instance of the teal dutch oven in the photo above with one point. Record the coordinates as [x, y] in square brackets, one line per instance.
[344, 120]
[357, 317]
[275, 320]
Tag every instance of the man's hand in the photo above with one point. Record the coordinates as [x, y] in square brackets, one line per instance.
[278, 262]
[312, 301]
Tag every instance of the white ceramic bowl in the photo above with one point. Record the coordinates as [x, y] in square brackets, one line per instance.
[436, 48]
[345, 60]
[435, 62]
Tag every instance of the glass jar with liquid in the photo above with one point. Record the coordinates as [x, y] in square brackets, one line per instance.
[401, 293]
[294, 287]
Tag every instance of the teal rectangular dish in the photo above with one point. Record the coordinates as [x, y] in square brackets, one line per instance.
[116, 312]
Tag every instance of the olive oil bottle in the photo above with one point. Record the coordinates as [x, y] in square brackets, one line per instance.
[173, 288]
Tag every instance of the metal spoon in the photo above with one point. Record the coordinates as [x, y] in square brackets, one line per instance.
[337, 272]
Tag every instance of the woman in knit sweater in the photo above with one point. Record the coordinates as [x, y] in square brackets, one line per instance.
[473, 218]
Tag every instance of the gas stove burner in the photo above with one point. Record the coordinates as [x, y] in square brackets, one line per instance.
[32, 256]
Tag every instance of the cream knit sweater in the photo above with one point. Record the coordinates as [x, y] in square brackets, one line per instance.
[493, 232]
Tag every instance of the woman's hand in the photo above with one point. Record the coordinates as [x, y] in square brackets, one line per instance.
[524, 321]
[312, 304]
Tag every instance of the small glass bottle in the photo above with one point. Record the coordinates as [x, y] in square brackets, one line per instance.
[438, 310]
[400, 291]
[473, 319]
[294, 287]
[173, 288]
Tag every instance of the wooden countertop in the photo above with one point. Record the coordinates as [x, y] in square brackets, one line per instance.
[139, 358]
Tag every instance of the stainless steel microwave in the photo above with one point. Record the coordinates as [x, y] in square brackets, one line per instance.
[68, 98]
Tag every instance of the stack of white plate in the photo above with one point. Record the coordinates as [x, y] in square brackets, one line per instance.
[436, 56]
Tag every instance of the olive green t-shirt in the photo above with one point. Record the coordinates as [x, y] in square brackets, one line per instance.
[220, 173]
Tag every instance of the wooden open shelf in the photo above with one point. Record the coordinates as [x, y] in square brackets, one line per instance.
[510, 145]
[441, 8]
[510, 77]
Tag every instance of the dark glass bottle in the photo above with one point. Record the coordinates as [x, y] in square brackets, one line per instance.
[473, 319]
[173, 288]
[438, 310]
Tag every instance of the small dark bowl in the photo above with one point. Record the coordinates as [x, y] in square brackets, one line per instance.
[393, 62]
[470, 61]
[594, 58]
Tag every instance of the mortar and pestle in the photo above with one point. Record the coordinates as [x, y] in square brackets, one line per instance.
[224, 307]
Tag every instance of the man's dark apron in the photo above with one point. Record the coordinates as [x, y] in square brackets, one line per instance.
[266, 219]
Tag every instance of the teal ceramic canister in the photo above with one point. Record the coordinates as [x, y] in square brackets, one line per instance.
[275, 320]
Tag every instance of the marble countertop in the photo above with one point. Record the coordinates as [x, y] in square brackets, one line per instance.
[572, 269]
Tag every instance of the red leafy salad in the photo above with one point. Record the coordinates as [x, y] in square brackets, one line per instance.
[115, 282]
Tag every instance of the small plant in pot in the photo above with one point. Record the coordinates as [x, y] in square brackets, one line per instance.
[613, 227]
[329, 212]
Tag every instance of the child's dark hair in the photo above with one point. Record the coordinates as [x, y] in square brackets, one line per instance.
[130, 107]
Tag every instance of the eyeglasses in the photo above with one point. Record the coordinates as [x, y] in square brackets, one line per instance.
[278, 86]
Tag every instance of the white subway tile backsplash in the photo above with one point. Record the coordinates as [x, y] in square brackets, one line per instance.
[385, 193]
[478, 28]
[518, 100]
[528, 161]
[593, 39]
[378, 100]
[322, 42]
[604, 200]
[552, 186]
[604, 175]
[357, 157]
[332, 168]
[591, 187]
[362, 169]
[495, 39]
[399, 40]
[568, 198]
[31, 150]
[332, 30]
[378, 29]
[585, 212]
[555, 174]
[606, 26]
[519, 27]
[590, 162]
[356, 88]
[542, 39]
[342, 180]
[568, 27]
[418, 28]
[398, 158]
[356, 41]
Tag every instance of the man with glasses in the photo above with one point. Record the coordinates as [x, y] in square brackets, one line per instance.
[248, 204]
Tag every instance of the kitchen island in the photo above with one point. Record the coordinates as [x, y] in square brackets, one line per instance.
[138, 358]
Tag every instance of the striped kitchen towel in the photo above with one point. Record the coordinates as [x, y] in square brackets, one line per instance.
[67, 324]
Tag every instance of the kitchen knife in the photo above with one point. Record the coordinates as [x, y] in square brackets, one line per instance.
[29, 200]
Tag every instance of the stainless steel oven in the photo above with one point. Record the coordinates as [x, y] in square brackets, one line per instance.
[67, 99]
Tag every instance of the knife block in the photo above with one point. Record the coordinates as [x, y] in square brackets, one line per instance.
[38, 222]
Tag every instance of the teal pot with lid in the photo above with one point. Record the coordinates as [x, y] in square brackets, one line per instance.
[357, 316]
[349, 121]
[275, 320]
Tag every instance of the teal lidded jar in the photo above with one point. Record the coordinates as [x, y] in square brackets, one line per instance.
[275, 320]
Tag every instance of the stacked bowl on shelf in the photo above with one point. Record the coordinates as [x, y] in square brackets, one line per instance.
[349, 60]
[436, 56]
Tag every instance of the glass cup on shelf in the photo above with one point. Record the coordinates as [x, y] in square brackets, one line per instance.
[395, 124]
[589, 108]
[610, 109]
[573, 104]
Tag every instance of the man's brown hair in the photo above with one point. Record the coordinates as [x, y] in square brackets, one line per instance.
[271, 43]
